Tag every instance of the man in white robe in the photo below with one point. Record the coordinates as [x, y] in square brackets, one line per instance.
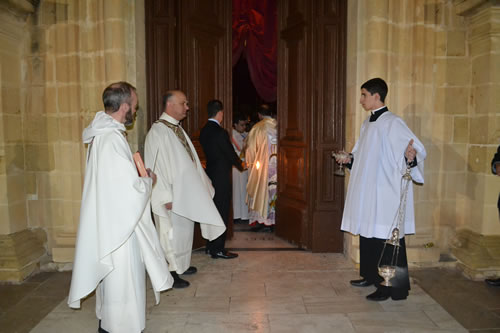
[183, 193]
[240, 178]
[378, 161]
[116, 237]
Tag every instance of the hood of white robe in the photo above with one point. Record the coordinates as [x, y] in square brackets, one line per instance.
[103, 123]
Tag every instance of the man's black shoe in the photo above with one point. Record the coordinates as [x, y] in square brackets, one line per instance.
[493, 282]
[101, 330]
[361, 283]
[191, 270]
[178, 282]
[224, 255]
[381, 294]
[257, 228]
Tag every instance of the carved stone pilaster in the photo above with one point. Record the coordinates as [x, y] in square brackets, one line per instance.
[20, 254]
[470, 7]
[478, 255]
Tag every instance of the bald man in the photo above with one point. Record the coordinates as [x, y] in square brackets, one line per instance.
[183, 192]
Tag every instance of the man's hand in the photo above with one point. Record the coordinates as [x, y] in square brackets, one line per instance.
[410, 152]
[168, 205]
[152, 175]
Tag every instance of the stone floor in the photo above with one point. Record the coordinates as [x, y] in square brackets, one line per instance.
[271, 287]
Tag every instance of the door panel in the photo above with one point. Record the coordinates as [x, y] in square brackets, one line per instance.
[311, 120]
[189, 48]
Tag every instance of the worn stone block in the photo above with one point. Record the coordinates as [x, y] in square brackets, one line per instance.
[12, 128]
[17, 216]
[460, 129]
[114, 34]
[478, 161]
[457, 73]
[16, 191]
[40, 157]
[67, 69]
[116, 66]
[376, 35]
[484, 129]
[11, 100]
[481, 69]
[13, 158]
[454, 157]
[480, 47]
[452, 100]
[20, 254]
[456, 43]
[50, 100]
[37, 213]
[455, 185]
[485, 98]
[35, 129]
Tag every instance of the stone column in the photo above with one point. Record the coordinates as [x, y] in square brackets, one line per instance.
[21, 247]
[477, 245]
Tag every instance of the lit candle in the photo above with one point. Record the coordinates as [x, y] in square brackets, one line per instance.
[257, 165]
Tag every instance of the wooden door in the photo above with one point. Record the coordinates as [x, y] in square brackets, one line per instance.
[189, 48]
[311, 94]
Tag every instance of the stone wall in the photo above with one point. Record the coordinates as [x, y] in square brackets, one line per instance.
[60, 57]
[440, 60]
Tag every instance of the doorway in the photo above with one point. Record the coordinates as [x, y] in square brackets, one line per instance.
[188, 46]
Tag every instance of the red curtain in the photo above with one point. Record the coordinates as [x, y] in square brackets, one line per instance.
[255, 35]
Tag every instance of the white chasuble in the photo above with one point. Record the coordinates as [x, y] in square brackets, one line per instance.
[240, 179]
[374, 190]
[116, 238]
[184, 183]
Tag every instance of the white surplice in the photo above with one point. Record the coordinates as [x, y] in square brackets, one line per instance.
[240, 179]
[374, 190]
[116, 238]
[183, 182]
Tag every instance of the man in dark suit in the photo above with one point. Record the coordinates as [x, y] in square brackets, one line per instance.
[220, 159]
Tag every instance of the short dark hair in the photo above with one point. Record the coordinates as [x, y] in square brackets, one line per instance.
[116, 94]
[265, 110]
[378, 86]
[213, 107]
[239, 117]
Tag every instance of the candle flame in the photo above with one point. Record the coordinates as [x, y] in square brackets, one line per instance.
[257, 165]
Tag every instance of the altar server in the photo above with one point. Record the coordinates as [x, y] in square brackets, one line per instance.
[378, 161]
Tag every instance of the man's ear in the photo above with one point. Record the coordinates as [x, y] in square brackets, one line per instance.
[377, 96]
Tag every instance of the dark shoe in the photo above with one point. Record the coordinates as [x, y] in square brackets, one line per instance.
[493, 282]
[207, 251]
[101, 330]
[361, 283]
[224, 255]
[381, 294]
[398, 298]
[257, 228]
[267, 229]
[191, 270]
[178, 282]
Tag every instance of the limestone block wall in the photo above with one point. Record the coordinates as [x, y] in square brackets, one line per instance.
[56, 59]
[440, 63]
[77, 48]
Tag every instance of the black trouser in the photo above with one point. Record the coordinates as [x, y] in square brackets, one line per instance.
[222, 200]
[370, 250]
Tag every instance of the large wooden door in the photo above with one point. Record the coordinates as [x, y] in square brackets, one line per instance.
[311, 94]
[189, 48]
